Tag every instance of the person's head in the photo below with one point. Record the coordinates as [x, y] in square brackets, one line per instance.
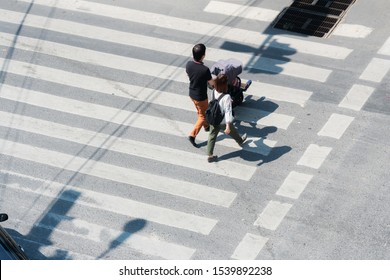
[198, 52]
[221, 83]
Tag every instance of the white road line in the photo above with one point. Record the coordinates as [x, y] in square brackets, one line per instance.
[352, 30]
[314, 156]
[149, 68]
[249, 247]
[101, 201]
[154, 70]
[280, 93]
[73, 226]
[110, 87]
[51, 251]
[230, 9]
[356, 97]
[120, 205]
[118, 174]
[294, 185]
[122, 63]
[143, 244]
[385, 49]
[201, 28]
[289, 68]
[376, 70]
[126, 146]
[260, 117]
[273, 215]
[129, 91]
[336, 126]
[117, 116]
[267, 15]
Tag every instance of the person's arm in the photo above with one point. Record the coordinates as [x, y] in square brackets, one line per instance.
[211, 83]
[227, 105]
[227, 129]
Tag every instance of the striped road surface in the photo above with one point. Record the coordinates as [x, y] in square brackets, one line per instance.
[94, 118]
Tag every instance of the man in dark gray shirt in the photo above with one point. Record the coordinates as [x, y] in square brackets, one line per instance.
[199, 76]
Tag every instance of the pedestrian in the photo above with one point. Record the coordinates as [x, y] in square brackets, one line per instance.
[199, 76]
[225, 105]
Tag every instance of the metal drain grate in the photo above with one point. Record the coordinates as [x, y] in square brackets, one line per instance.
[313, 17]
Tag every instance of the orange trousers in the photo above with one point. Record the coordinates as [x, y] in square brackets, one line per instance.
[201, 107]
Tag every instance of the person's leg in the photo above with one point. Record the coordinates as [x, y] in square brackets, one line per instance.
[201, 107]
[214, 130]
[236, 136]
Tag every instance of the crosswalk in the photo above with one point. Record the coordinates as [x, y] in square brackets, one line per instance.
[122, 123]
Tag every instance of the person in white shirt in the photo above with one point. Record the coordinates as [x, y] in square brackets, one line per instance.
[225, 104]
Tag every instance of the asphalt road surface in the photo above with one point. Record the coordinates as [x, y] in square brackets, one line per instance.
[95, 114]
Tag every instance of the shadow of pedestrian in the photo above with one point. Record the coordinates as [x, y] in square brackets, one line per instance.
[257, 150]
[268, 58]
[274, 154]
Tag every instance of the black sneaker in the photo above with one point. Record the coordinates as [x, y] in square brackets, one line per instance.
[212, 159]
[192, 140]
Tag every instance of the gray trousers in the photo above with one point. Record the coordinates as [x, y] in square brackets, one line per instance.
[214, 130]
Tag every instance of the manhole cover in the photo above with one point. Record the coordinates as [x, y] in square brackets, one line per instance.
[313, 17]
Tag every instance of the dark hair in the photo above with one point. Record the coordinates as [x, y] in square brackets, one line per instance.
[221, 84]
[198, 51]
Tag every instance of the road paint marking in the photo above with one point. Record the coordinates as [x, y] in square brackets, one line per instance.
[118, 174]
[289, 68]
[336, 126]
[101, 201]
[73, 226]
[122, 63]
[280, 93]
[123, 206]
[109, 87]
[230, 9]
[352, 30]
[294, 185]
[125, 146]
[267, 15]
[260, 117]
[150, 68]
[314, 156]
[100, 234]
[385, 49]
[201, 28]
[51, 251]
[249, 247]
[121, 117]
[376, 70]
[272, 215]
[356, 97]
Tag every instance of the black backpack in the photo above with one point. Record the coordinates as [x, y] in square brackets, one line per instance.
[214, 116]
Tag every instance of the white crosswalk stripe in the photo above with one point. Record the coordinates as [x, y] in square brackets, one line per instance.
[143, 67]
[125, 146]
[179, 24]
[146, 244]
[40, 59]
[117, 116]
[267, 15]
